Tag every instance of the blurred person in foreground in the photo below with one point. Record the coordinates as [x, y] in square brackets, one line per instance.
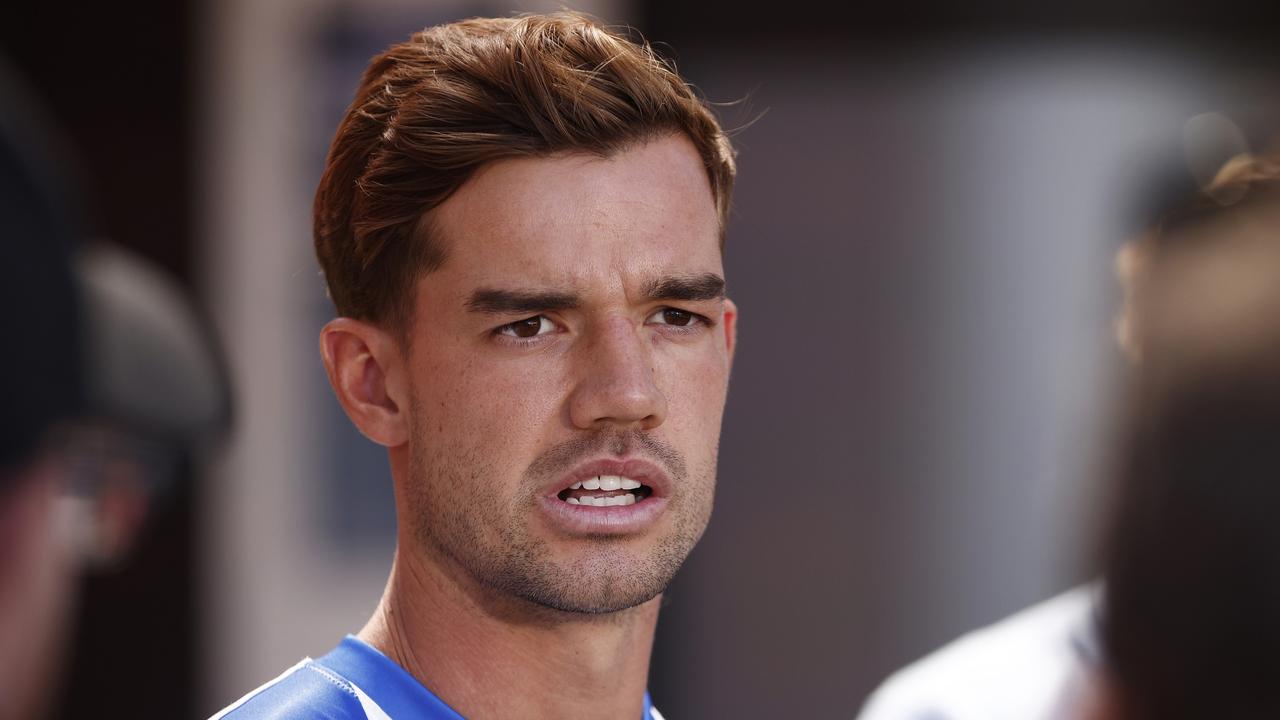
[521, 223]
[104, 377]
[1191, 614]
[1045, 661]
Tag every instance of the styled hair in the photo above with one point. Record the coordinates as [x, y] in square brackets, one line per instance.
[430, 111]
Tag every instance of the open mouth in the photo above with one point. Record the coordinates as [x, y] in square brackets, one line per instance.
[606, 491]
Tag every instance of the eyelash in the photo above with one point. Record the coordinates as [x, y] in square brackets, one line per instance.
[502, 331]
[696, 323]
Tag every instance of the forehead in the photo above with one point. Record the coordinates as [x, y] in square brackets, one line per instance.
[574, 219]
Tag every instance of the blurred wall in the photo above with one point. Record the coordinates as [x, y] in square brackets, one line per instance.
[921, 249]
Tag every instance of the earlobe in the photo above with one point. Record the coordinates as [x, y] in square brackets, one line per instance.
[362, 361]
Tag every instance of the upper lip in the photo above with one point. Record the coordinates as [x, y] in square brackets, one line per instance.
[639, 469]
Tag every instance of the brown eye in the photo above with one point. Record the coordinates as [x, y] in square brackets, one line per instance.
[527, 328]
[673, 316]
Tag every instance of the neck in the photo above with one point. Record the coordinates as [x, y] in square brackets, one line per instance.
[499, 657]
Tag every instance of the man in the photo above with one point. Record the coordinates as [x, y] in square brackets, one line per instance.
[1190, 625]
[41, 388]
[521, 223]
[1046, 661]
[105, 376]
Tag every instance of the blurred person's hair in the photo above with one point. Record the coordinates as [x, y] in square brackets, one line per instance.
[1243, 177]
[431, 111]
[1192, 560]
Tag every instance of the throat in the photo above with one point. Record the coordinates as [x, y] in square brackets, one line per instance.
[566, 665]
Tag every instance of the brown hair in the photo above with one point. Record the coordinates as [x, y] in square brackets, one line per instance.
[429, 112]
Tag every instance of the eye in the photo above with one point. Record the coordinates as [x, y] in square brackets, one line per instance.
[673, 316]
[528, 327]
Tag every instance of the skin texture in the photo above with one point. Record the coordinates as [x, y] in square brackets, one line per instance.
[37, 574]
[481, 424]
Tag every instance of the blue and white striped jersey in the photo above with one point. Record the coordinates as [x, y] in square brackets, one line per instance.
[354, 682]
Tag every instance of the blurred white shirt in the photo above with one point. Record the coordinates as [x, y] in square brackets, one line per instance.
[1034, 665]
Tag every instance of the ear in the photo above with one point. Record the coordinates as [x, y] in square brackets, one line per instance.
[730, 324]
[366, 369]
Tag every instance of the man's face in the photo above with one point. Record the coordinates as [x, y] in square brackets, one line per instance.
[576, 333]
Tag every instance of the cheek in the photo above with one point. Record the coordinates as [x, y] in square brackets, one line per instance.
[701, 378]
[483, 405]
[696, 389]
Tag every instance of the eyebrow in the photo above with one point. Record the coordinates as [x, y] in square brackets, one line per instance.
[690, 288]
[504, 302]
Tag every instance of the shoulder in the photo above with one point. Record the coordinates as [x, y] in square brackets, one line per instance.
[305, 690]
[1018, 667]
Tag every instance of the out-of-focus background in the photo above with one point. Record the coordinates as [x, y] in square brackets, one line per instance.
[928, 204]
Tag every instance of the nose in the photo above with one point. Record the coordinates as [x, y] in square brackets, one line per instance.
[616, 384]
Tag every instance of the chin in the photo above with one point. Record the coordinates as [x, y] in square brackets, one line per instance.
[602, 582]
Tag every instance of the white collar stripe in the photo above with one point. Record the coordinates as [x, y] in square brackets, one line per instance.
[371, 709]
[260, 688]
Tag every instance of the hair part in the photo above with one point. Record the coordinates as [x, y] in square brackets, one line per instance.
[431, 111]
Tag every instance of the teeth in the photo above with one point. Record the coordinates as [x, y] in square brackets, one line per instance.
[607, 483]
[625, 499]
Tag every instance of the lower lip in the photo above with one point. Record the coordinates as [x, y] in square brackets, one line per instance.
[612, 520]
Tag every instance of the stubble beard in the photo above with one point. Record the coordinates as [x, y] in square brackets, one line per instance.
[492, 544]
